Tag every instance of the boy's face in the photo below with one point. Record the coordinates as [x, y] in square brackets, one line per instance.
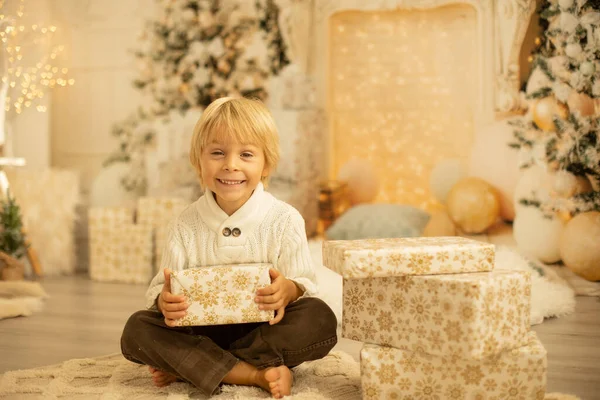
[232, 171]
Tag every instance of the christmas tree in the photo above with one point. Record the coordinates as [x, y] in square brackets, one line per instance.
[192, 53]
[560, 132]
[12, 239]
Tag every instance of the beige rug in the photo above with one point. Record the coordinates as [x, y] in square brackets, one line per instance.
[20, 298]
[336, 376]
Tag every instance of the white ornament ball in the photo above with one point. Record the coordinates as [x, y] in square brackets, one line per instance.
[444, 175]
[473, 205]
[439, 224]
[363, 185]
[580, 245]
[536, 235]
[573, 50]
[568, 22]
[107, 191]
[535, 183]
[565, 4]
[587, 68]
[492, 160]
[568, 185]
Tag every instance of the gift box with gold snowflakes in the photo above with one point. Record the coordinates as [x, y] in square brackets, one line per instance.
[471, 315]
[368, 258]
[158, 211]
[120, 251]
[390, 373]
[222, 294]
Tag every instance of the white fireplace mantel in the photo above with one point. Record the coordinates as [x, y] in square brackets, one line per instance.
[501, 30]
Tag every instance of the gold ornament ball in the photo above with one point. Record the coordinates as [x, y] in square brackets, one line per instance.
[580, 245]
[473, 205]
[439, 224]
[581, 102]
[544, 111]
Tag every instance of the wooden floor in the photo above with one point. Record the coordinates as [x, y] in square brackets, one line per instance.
[84, 319]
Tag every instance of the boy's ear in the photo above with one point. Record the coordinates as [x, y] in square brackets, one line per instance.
[266, 171]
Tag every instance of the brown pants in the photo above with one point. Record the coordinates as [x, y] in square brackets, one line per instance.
[203, 355]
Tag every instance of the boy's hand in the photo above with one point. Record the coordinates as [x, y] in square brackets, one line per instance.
[277, 295]
[171, 306]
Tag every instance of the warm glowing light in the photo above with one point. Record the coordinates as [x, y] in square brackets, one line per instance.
[28, 81]
[402, 104]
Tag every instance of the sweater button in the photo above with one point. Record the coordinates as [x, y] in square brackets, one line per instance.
[226, 231]
[236, 232]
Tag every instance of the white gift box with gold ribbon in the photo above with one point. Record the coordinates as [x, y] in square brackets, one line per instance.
[222, 294]
[389, 373]
[471, 315]
[368, 258]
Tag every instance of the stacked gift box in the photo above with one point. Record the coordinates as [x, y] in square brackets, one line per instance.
[126, 244]
[437, 320]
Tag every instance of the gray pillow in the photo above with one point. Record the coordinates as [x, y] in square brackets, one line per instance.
[372, 221]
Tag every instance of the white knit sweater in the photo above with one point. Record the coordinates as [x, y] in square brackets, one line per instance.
[271, 231]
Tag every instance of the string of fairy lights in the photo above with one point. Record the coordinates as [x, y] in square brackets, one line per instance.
[29, 61]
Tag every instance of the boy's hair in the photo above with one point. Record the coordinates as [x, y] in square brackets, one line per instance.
[238, 119]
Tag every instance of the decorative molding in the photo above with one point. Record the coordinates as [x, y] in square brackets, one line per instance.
[501, 29]
[511, 23]
[325, 8]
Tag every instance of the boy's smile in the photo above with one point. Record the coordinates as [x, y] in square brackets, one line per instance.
[232, 171]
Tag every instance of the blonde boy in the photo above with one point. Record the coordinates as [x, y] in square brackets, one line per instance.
[234, 149]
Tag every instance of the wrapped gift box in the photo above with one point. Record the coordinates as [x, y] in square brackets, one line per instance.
[389, 373]
[121, 254]
[222, 294]
[155, 212]
[369, 258]
[471, 315]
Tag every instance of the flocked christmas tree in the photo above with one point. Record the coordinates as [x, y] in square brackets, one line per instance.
[192, 53]
[560, 133]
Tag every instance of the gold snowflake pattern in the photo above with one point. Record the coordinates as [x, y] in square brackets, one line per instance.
[455, 392]
[241, 280]
[472, 375]
[449, 319]
[387, 373]
[383, 257]
[428, 389]
[231, 301]
[429, 377]
[371, 392]
[223, 294]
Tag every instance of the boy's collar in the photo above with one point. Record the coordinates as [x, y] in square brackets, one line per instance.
[245, 219]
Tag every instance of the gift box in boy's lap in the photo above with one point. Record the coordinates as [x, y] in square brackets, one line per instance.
[222, 294]
[390, 373]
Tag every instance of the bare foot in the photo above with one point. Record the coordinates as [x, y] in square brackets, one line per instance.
[277, 380]
[161, 378]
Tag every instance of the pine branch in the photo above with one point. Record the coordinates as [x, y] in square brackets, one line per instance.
[540, 93]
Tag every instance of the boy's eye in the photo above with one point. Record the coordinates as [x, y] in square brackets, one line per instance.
[247, 155]
[217, 153]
